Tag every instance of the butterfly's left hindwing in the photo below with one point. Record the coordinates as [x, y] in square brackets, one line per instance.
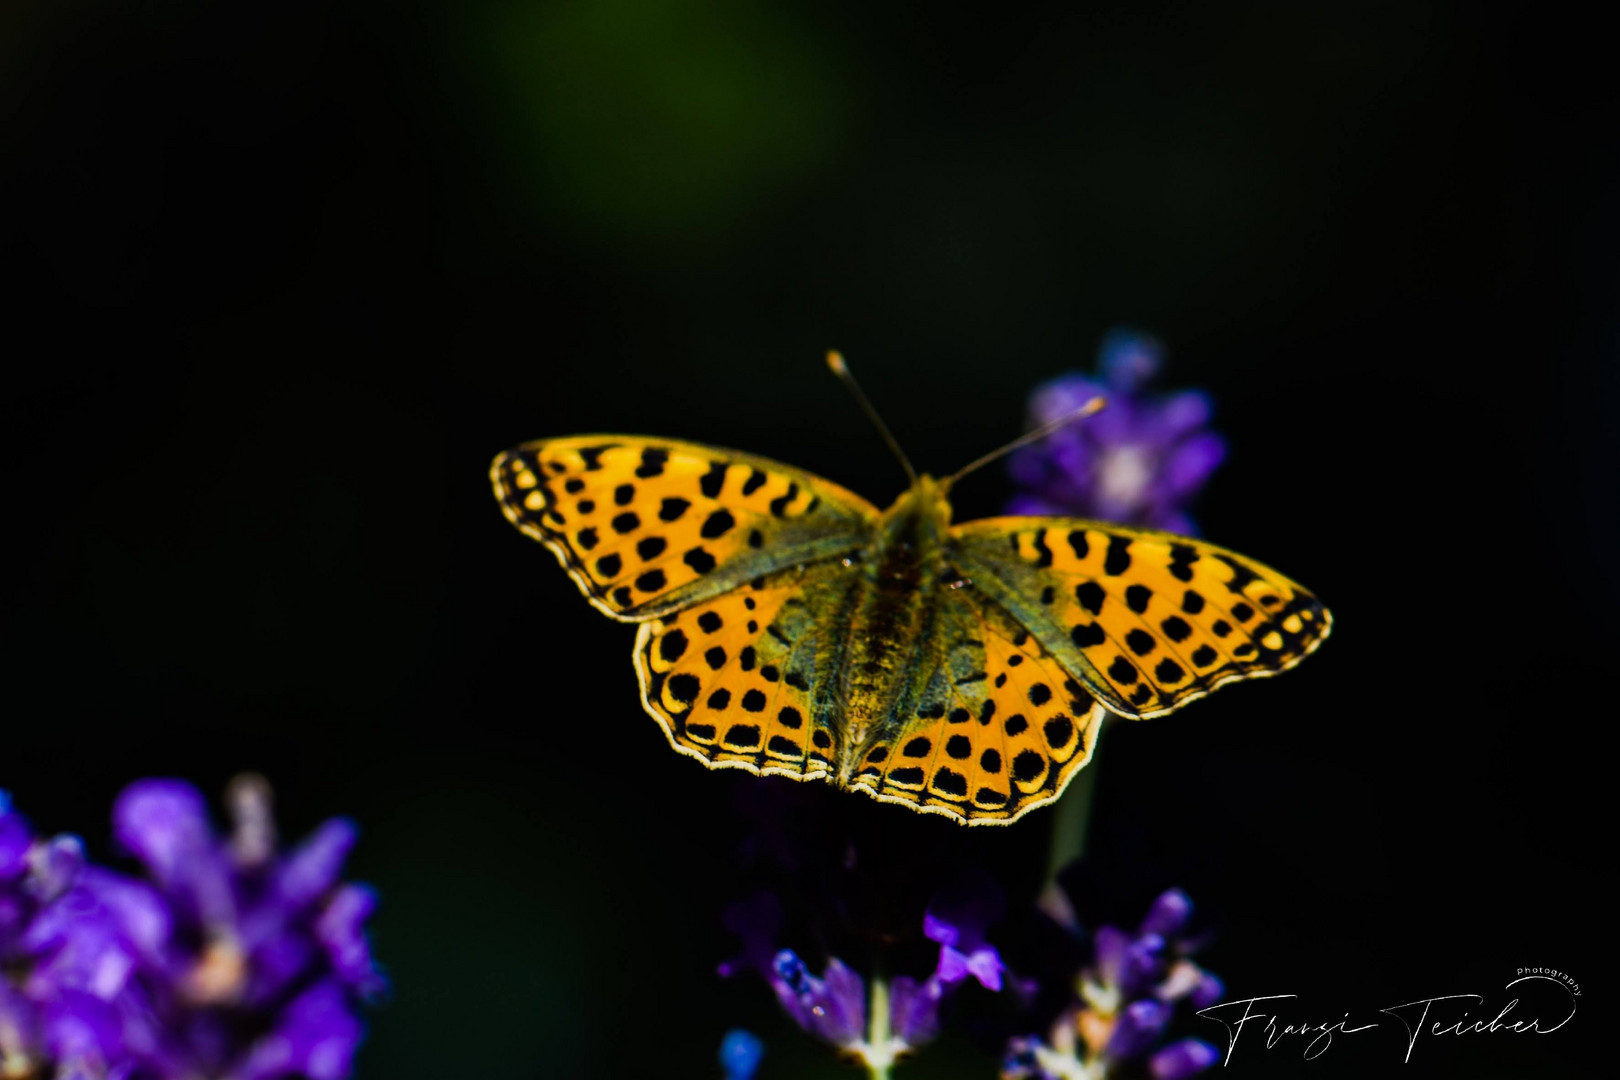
[1149, 620]
[750, 679]
[647, 526]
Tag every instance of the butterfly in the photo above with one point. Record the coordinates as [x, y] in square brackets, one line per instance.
[788, 627]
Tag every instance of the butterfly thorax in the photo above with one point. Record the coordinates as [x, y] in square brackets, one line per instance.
[900, 571]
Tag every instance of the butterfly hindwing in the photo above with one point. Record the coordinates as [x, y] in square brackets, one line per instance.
[1149, 620]
[748, 679]
[646, 526]
[994, 726]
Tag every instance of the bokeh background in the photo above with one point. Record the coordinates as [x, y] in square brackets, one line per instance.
[280, 278]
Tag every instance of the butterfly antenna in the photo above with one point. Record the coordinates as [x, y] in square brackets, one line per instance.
[1090, 408]
[835, 361]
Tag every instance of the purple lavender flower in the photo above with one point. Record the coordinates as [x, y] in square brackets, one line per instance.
[1138, 462]
[1125, 1000]
[230, 960]
[895, 1016]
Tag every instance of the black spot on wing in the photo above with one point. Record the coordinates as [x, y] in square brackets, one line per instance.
[712, 481]
[1044, 553]
[1241, 575]
[1119, 556]
[717, 524]
[652, 462]
[779, 504]
[1087, 635]
[672, 645]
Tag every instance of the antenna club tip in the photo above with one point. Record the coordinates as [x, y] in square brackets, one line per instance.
[835, 361]
[1094, 406]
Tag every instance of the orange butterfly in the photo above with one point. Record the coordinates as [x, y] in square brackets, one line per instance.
[789, 627]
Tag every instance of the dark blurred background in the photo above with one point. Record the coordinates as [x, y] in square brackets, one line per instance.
[280, 278]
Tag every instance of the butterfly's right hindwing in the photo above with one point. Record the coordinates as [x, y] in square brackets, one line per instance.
[991, 727]
[648, 526]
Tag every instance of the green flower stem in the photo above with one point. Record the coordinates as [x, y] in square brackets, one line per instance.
[1072, 815]
[877, 1030]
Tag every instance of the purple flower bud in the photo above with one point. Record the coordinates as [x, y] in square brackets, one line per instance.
[914, 1009]
[1109, 944]
[1139, 1026]
[315, 865]
[341, 930]
[1183, 1059]
[315, 1037]
[841, 1011]
[833, 1008]
[15, 839]
[163, 823]
[1209, 990]
[1169, 913]
[136, 909]
[957, 921]
[1141, 965]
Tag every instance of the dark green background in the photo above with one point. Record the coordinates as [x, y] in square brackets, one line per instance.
[280, 278]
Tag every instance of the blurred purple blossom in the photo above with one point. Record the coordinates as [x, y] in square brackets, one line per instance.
[229, 960]
[1124, 1000]
[1139, 461]
[837, 1006]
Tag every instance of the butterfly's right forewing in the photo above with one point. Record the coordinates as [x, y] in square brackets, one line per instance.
[1148, 620]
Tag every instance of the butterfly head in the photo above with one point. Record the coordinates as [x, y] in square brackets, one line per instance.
[921, 515]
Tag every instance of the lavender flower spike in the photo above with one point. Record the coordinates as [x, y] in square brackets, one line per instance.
[1139, 462]
[231, 960]
[1126, 998]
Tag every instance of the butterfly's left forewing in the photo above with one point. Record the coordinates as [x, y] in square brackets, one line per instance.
[1148, 620]
[648, 526]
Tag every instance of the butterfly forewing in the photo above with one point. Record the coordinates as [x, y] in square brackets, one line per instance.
[1148, 620]
[995, 726]
[748, 679]
[647, 526]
